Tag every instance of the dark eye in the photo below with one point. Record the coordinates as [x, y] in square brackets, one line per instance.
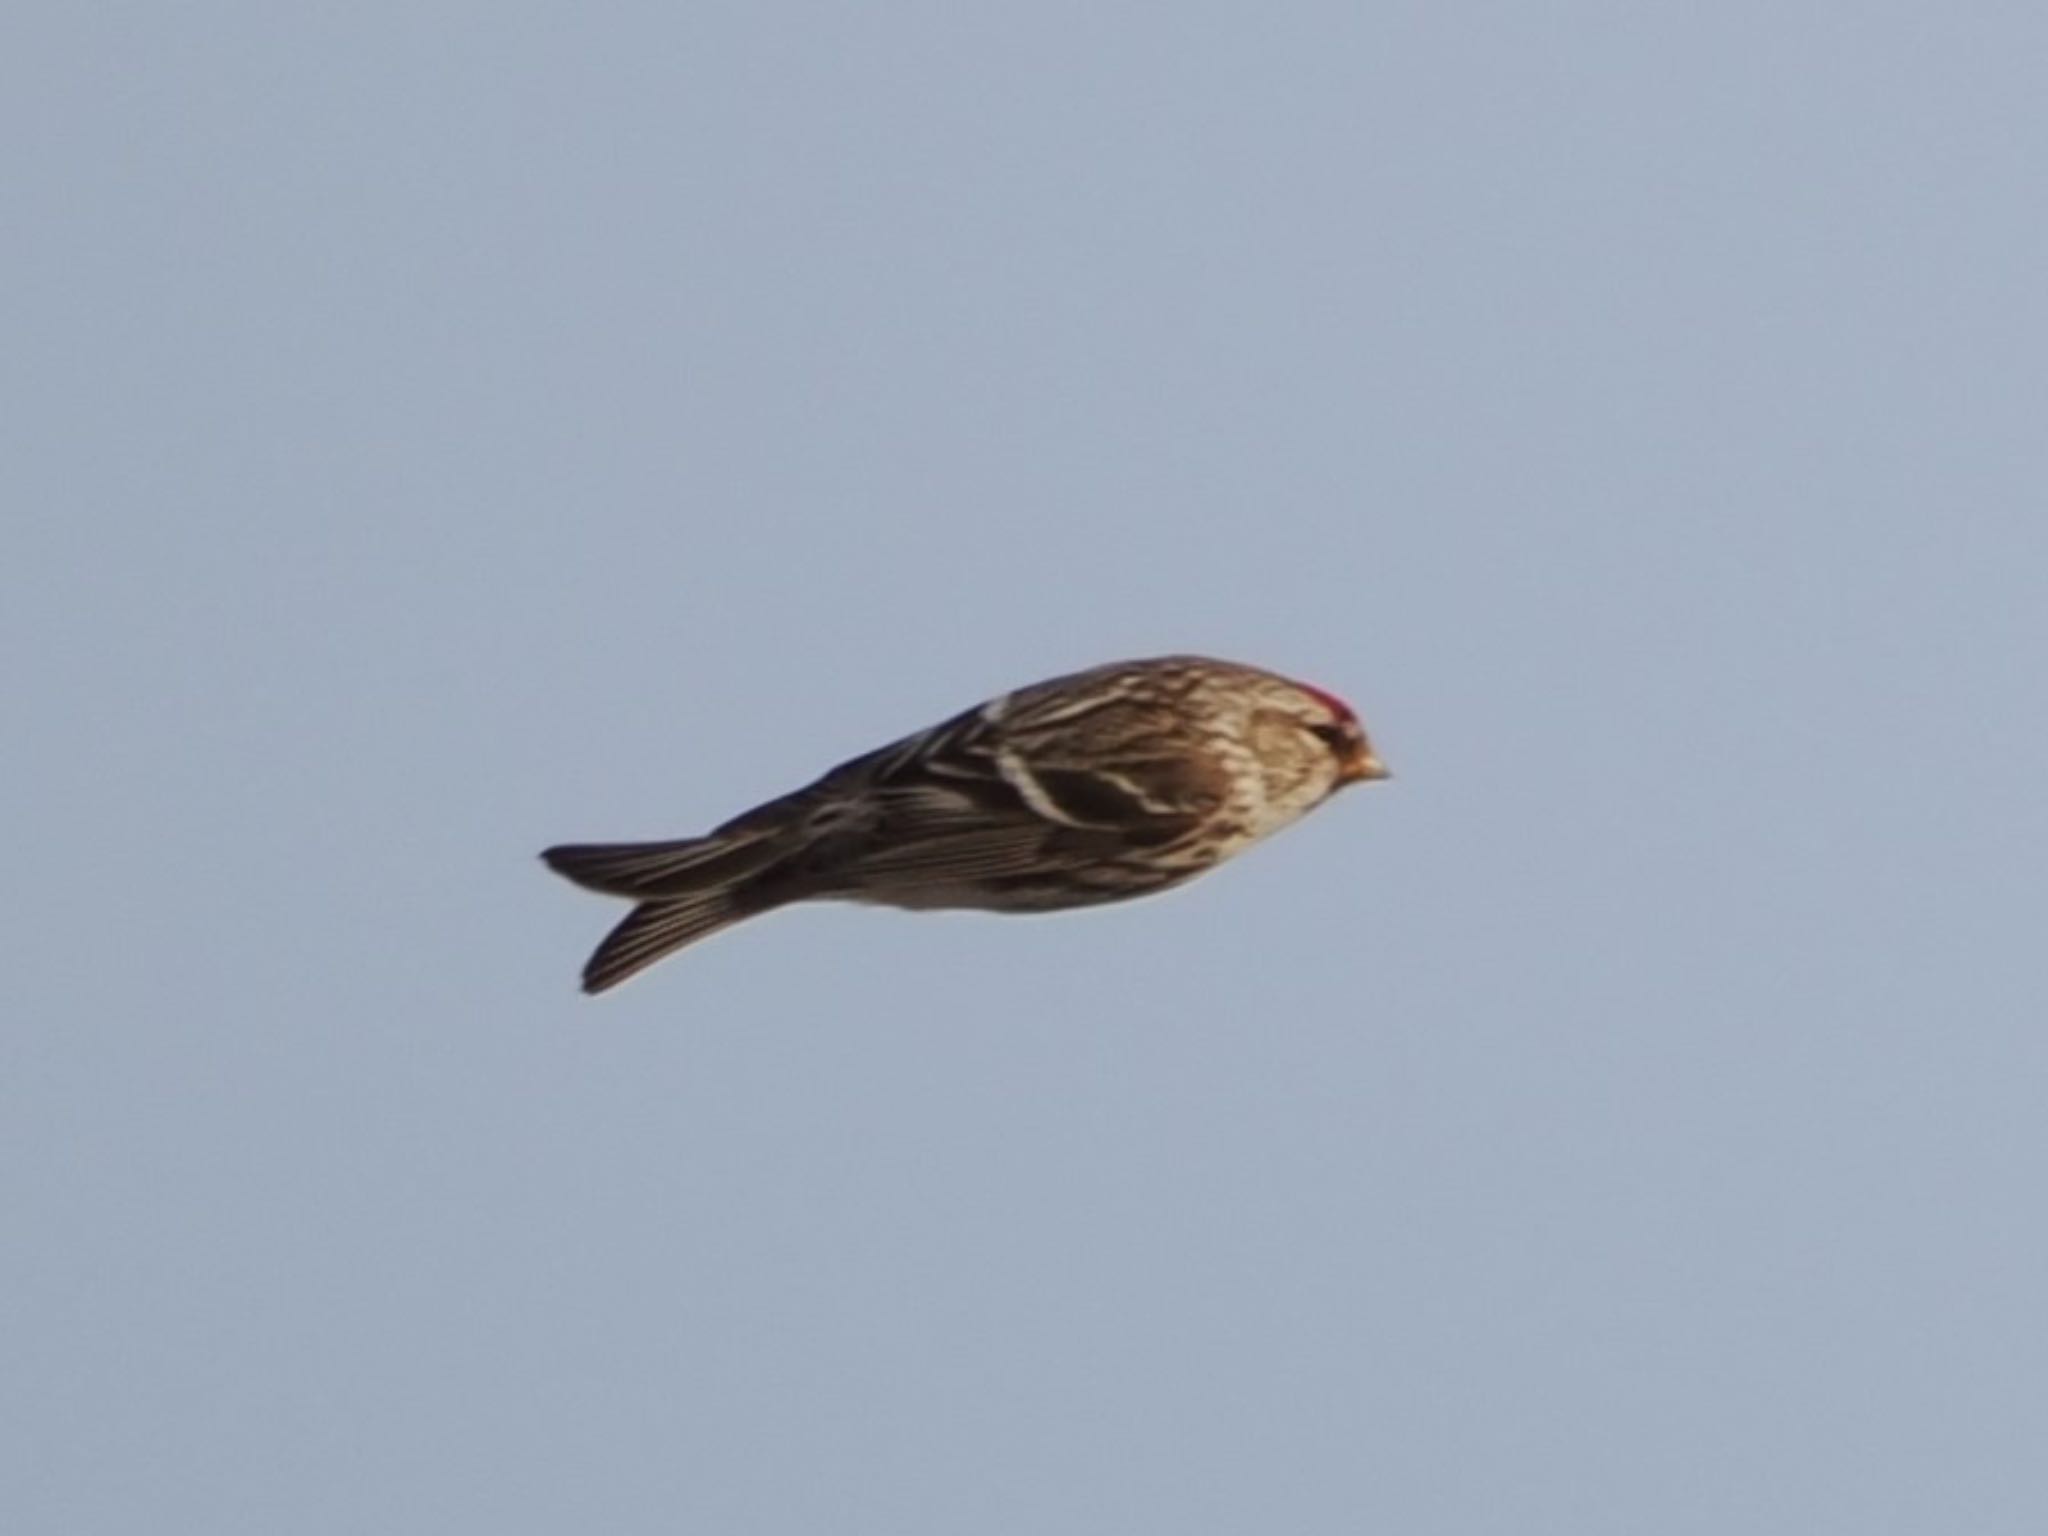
[1335, 737]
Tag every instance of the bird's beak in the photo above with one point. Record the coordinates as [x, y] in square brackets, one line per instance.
[1360, 765]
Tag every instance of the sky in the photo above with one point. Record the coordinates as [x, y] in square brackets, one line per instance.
[435, 432]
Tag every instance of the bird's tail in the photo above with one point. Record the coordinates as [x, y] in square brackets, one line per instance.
[652, 870]
[686, 891]
[656, 929]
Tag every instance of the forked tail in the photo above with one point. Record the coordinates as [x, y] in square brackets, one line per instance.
[686, 891]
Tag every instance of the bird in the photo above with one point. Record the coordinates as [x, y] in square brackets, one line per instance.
[1093, 787]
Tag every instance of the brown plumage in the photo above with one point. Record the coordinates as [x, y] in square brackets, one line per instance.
[1099, 786]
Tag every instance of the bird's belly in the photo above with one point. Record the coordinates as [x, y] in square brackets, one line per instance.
[929, 898]
[1018, 894]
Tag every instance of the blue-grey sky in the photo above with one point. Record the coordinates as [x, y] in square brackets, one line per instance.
[433, 432]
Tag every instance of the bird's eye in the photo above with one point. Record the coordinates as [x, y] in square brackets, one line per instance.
[1335, 737]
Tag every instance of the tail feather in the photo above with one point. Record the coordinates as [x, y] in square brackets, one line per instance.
[651, 870]
[656, 929]
[686, 890]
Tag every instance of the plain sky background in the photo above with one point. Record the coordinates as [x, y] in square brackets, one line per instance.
[436, 431]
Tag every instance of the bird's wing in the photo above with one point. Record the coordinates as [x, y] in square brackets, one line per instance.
[1116, 764]
[962, 856]
[1112, 765]
[985, 795]
[1108, 761]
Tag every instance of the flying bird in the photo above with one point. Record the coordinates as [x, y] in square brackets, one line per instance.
[1099, 786]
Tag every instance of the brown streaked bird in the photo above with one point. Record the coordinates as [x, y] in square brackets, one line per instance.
[1102, 785]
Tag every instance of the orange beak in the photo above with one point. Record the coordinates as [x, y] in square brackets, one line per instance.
[1360, 765]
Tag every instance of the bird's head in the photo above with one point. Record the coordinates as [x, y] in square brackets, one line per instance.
[1307, 744]
[1334, 725]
